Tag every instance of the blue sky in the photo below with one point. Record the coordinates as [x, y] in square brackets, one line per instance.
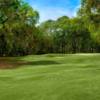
[52, 9]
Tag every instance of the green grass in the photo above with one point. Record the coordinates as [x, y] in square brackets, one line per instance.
[52, 77]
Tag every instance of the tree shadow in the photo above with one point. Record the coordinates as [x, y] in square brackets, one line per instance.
[17, 63]
[38, 63]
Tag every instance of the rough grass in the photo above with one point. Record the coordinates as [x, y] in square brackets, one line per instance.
[50, 77]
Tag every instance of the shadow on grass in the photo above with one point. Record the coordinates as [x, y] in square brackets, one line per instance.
[37, 63]
[17, 63]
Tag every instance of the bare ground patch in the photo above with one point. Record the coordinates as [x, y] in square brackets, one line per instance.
[8, 64]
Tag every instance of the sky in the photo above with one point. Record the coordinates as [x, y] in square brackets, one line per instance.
[53, 9]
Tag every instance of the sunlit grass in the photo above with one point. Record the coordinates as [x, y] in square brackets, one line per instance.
[51, 77]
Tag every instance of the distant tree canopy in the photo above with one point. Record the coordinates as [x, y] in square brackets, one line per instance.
[68, 35]
[20, 35]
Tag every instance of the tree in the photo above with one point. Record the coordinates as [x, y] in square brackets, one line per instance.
[67, 35]
[90, 10]
[17, 27]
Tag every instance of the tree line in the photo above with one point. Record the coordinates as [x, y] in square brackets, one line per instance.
[20, 35]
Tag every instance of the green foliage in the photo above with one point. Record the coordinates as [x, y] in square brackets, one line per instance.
[17, 27]
[68, 35]
[20, 35]
[90, 10]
